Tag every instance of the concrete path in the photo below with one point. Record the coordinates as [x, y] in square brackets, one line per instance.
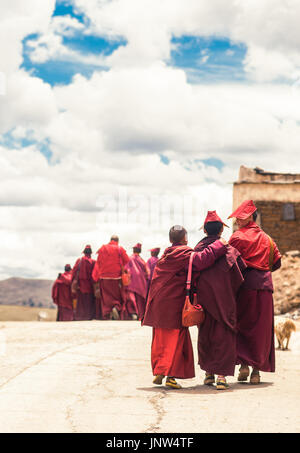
[96, 377]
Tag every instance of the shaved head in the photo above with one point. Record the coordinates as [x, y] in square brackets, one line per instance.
[177, 234]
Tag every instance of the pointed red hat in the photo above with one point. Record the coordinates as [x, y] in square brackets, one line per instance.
[244, 211]
[155, 250]
[137, 246]
[212, 216]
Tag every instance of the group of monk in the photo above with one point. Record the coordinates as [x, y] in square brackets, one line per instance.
[231, 281]
[114, 286]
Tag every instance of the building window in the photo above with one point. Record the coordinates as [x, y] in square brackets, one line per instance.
[288, 211]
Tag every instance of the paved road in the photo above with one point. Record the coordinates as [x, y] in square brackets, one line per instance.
[96, 377]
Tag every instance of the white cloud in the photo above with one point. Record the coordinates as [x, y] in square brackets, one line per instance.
[17, 20]
[50, 44]
[28, 102]
[107, 132]
[264, 26]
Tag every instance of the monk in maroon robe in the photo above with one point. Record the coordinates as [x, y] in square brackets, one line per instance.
[172, 351]
[82, 273]
[151, 263]
[217, 289]
[255, 310]
[136, 291]
[112, 258]
[61, 295]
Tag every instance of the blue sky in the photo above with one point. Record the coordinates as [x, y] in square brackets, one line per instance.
[208, 60]
[204, 59]
[63, 8]
[9, 141]
[182, 95]
[56, 72]
[211, 59]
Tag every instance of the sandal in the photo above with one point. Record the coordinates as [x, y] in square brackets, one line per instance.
[255, 377]
[158, 379]
[222, 384]
[171, 382]
[244, 373]
[209, 379]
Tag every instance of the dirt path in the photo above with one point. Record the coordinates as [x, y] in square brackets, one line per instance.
[96, 377]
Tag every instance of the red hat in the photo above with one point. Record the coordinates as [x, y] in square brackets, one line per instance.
[212, 216]
[87, 247]
[137, 246]
[155, 250]
[68, 267]
[245, 210]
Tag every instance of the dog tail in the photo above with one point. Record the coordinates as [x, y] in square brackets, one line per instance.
[291, 325]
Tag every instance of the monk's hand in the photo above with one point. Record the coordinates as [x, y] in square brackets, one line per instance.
[223, 241]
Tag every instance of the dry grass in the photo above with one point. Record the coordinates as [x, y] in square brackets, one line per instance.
[16, 313]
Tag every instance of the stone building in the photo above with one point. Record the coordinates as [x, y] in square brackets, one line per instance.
[277, 197]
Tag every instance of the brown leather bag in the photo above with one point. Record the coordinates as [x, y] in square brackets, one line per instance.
[192, 313]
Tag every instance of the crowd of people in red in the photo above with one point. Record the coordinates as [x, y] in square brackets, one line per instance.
[231, 281]
[114, 286]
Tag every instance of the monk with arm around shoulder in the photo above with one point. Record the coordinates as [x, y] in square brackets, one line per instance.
[171, 351]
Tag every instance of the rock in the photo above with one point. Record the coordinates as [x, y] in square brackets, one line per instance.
[293, 253]
[286, 284]
[42, 316]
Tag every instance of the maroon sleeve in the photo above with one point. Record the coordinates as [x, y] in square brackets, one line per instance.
[237, 242]
[208, 256]
[277, 257]
[276, 265]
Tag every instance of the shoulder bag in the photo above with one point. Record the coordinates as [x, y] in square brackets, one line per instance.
[192, 314]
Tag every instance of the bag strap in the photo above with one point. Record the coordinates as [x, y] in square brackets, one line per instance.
[189, 276]
[271, 256]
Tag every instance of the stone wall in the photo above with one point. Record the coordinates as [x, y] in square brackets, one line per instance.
[286, 233]
[277, 197]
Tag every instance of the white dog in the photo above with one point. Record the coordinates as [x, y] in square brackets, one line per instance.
[283, 331]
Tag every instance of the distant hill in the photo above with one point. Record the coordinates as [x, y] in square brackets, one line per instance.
[26, 292]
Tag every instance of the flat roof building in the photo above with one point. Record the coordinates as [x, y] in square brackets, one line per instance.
[277, 197]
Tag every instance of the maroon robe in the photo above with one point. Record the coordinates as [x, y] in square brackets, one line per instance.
[255, 310]
[172, 353]
[98, 308]
[151, 263]
[62, 297]
[136, 291]
[112, 295]
[107, 271]
[85, 308]
[217, 289]
[164, 308]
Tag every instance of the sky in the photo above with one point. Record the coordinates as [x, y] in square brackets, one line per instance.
[129, 116]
